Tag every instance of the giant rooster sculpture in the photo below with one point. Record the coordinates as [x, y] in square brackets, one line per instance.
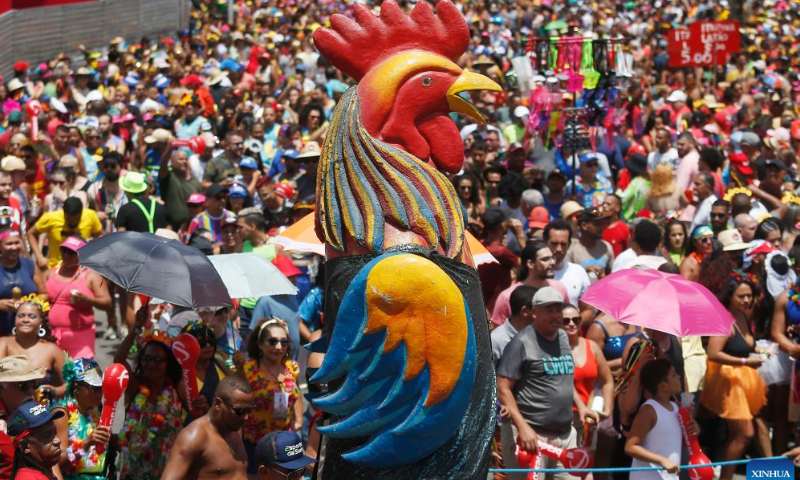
[412, 391]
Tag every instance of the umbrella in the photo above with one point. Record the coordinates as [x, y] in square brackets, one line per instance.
[155, 266]
[248, 275]
[301, 237]
[665, 302]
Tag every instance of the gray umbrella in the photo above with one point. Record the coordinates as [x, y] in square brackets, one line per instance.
[155, 266]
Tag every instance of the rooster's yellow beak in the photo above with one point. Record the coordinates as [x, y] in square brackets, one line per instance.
[465, 82]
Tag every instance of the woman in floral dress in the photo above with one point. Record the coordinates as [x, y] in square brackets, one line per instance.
[272, 375]
[83, 442]
[154, 404]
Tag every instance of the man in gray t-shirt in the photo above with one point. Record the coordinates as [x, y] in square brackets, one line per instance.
[535, 384]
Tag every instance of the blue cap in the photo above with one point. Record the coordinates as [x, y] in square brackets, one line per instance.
[248, 162]
[284, 449]
[588, 157]
[161, 81]
[30, 415]
[237, 191]
[230, 64]
[291, 153]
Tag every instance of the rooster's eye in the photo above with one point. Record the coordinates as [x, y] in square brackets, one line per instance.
[426, 81]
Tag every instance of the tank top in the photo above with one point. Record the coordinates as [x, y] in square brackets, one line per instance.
[737, 346]
[663, 439]
[585, 376]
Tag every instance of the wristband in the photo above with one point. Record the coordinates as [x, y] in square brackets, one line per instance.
[743, 361]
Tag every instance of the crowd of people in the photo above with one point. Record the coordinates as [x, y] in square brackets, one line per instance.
[212, 137]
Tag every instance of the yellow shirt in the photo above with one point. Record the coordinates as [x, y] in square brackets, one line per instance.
[54, 225]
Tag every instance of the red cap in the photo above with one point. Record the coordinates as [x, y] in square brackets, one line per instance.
[193, 80]
[636, 149]
[742, 162]
[539, 218]
[21, 66]
[765, 247]
[645, 213]
[286, 266]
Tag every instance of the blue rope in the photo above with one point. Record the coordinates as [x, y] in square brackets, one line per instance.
[628, 469]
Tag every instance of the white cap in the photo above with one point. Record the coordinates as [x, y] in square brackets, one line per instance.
[521, 111]
[547, 296]
[677, 96]
[94, 96]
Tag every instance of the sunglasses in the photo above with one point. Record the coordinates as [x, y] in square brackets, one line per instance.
[273, 342]
[237, 145]
[592, 164]
[704, 239]
[153, 359]
[293, 475]
[28, 386]
[58, 182]
[718, 215]
[575, 320]
[205, 339]
[239, 411]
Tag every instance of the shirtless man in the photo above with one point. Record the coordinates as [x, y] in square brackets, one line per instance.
[212, 445]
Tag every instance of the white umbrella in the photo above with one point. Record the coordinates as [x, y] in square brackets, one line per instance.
[247, 275]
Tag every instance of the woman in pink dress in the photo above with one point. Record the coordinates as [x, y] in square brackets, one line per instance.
[74, 292]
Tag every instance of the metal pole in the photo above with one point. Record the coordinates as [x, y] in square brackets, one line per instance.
[230, 12]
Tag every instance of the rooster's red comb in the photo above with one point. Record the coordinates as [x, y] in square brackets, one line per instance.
[356, 46]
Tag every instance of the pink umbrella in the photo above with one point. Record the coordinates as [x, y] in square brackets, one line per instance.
[662, 301]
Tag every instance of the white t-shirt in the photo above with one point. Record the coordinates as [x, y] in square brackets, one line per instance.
[575, 279]
[628, 259]
[703, 214]
[669, 157]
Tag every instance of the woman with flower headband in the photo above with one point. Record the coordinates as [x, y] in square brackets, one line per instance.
[154, 403]
[75, 292]
[78, 430]
[734, 389]
[19, 276]
[702, 245]
[272, 375]
[32, 337]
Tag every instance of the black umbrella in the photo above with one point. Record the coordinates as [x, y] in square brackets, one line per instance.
[155, 266]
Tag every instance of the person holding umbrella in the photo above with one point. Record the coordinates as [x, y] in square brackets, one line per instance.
[153, 401]
[734, 389]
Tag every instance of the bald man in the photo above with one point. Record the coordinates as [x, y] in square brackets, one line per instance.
[746, 225]
[212, 446]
